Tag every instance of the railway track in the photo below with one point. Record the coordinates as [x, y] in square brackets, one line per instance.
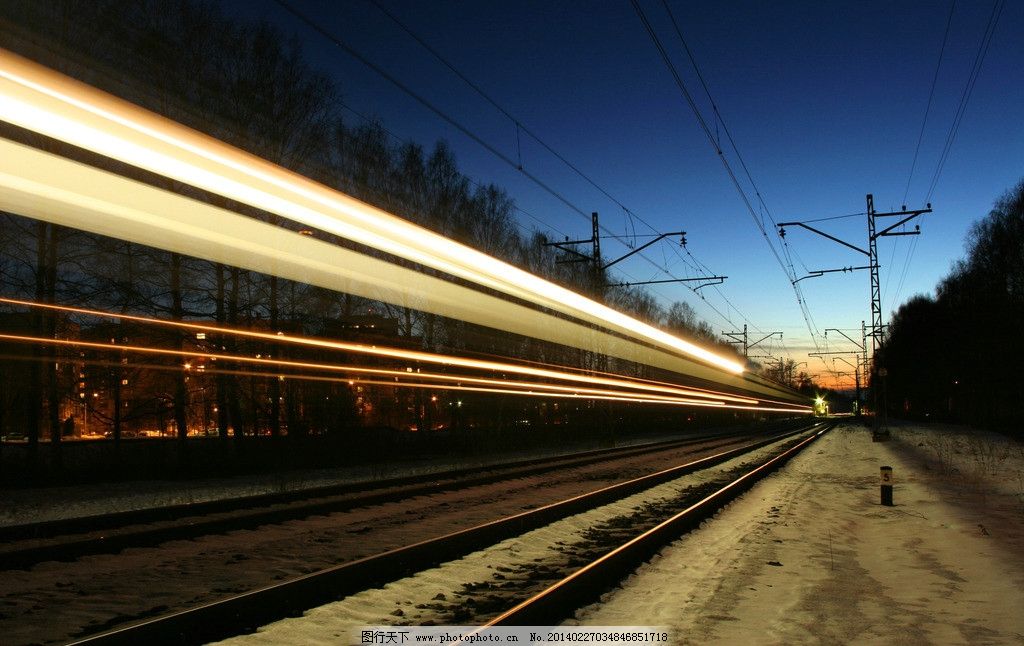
[538, 592]
[563, 597]
[22, 546]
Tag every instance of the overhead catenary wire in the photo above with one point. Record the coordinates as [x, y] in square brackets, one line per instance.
[401, 140]
[714, 107]
[422, 100]
[903, 274]
[888, 268]
[931, 95]
[520, 127]
[436, 110]
[713, 139]
[965, 96]
[834, 217]
[473, 136]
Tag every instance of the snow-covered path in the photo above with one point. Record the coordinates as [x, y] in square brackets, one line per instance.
[810, 556]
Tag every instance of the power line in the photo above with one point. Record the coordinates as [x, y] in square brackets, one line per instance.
[438, 111]
[786, 266]
[965, 97]
[427, 104]
[474, 182]
[931, 94]
[903, 275]
[490, 148]
[712, 139]
[520, 127]
[835, 217]
[888, 268]
[714, 107]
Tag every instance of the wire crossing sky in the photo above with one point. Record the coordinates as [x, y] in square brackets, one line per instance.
[827, 101]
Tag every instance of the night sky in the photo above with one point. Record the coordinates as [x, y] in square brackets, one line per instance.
[825, 102]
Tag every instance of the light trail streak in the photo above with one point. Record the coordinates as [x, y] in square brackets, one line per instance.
[393, 353]
[531, 393]
[402, 374]
[407, 384]
[50, 188]
[412, 384]
[568, 373]
[41, 100]
[484, 385]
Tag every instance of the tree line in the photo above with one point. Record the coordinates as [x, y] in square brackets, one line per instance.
[248, 84]
[957, 355]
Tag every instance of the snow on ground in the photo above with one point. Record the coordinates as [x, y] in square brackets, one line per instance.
[414, 600]
[34, 505]
[810, 554]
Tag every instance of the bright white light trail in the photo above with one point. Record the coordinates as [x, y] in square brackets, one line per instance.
[49, 103]
[50, 188]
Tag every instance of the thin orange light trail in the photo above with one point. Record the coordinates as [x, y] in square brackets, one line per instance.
[624, 398]
[530, 393]
[655, 382]
[408, 384]
[571, 393]
[505, 387]
[589, 373]
[395, 353]
[42, 100]
[501, 391]
[527, 385]
[506, 391]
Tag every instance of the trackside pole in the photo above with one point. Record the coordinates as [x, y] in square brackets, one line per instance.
[887, 486]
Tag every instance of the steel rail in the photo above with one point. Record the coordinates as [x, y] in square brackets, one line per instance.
[247, 611]
[70, 539]
[587, 584]
[218, 516]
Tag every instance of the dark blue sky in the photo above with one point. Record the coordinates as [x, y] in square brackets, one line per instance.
[824, 99]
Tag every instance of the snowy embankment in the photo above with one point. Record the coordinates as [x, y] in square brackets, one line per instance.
[810, 554]
[486, 582]
[37, 505]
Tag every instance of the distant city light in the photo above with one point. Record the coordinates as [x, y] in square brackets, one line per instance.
[619, 381]
[483, 384]
[39, 187]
